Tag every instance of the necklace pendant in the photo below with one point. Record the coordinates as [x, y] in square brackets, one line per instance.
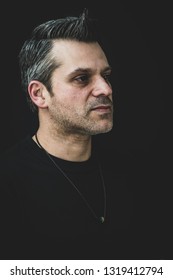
[101, 219]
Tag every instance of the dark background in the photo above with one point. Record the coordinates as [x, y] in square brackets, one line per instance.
[137, 42]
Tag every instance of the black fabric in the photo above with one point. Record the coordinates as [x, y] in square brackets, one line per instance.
[44, 217]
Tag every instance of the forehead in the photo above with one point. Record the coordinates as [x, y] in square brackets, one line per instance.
[79, 54]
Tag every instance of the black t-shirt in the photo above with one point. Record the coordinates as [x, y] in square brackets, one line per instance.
[44, 216]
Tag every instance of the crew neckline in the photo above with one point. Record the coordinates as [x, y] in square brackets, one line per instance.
[92, 162]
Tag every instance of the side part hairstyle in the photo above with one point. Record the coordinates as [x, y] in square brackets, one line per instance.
[35, 59]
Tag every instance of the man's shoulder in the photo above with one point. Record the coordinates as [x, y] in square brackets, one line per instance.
[14, 153]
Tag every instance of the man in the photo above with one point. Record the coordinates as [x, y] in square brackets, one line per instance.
[61, 197]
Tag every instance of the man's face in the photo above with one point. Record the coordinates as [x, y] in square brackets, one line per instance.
[82, 95]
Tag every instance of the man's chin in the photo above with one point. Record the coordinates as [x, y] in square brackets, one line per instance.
[103, 130]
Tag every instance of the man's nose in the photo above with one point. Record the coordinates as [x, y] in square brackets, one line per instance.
[102, 87]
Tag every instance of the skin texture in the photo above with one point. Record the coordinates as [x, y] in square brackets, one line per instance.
[81, 105]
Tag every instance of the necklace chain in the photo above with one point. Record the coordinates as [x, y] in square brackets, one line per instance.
[101, 219]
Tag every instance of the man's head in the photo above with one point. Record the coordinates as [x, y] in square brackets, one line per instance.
[66, 73]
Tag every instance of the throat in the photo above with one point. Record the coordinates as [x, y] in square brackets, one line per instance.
[65, 149]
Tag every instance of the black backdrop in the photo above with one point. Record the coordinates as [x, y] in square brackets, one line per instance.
[137, 42]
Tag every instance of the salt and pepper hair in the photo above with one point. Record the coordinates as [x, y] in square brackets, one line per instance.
[35, 59]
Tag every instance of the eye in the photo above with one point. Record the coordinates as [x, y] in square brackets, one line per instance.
[82, 78]
[107, 77]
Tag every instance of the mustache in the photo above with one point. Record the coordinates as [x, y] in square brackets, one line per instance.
[102, 100]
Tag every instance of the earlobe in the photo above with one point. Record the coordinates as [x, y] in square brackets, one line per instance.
[36, 91]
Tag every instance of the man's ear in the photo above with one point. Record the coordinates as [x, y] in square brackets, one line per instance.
[37, 92]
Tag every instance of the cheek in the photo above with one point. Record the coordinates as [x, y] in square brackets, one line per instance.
[69, 97]
[64, 104]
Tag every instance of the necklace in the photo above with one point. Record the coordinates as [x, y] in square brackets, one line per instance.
[101, 219]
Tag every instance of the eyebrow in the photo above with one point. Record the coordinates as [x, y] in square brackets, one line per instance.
[88, 70]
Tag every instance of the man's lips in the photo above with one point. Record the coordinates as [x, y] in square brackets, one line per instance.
[102, 108]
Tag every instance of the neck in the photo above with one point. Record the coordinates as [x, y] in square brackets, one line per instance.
[68, 147]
